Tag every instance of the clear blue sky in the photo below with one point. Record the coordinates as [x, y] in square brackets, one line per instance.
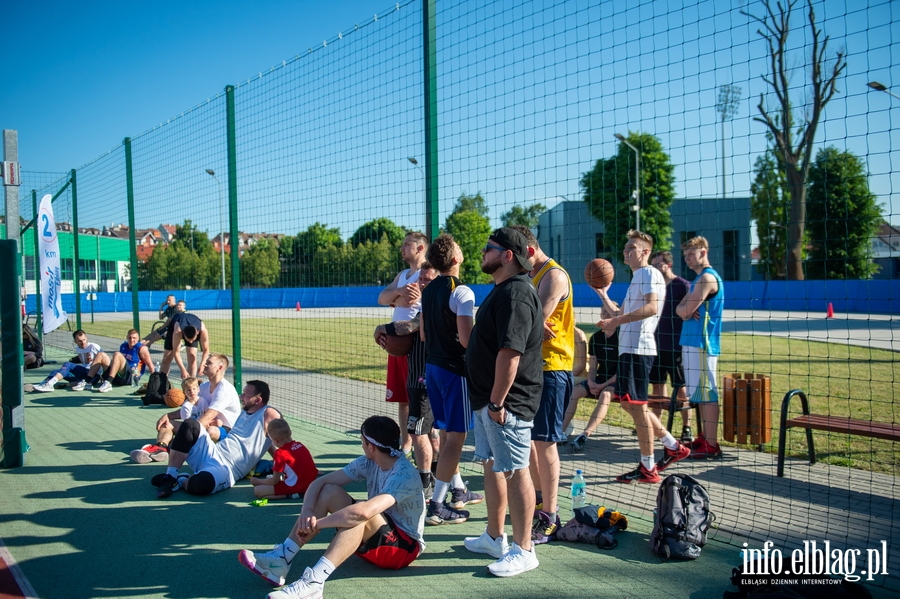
[530, 96]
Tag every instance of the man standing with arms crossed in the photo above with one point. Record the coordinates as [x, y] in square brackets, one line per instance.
[505, 380]
[637, 320]
[404, 296]
[558, 354]
[701, 310]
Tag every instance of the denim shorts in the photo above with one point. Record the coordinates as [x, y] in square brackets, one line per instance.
[508, 445]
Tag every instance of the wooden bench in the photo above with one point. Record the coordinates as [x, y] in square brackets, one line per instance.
[834, 424]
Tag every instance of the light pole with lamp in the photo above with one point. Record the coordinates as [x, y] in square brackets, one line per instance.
[637, 181]
[416, 164]
[212, 174]
[882, 88]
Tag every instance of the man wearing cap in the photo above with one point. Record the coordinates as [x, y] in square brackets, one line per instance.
[505, 383]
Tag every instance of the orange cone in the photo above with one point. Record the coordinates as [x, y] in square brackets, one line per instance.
[830, 311]
[298, 306]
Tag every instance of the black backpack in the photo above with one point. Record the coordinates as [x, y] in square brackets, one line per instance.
[682, 518]
[157, 387]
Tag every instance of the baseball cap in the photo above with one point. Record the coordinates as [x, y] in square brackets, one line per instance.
[515, 242]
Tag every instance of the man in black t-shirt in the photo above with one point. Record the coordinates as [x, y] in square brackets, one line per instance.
[505, 382]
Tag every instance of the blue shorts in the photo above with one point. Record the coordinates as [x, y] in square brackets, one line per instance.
[508, 445]
[548, 420]
[633, 378]
[448, 395]
[78, 373]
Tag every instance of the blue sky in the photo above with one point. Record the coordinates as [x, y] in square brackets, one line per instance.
[530, 97]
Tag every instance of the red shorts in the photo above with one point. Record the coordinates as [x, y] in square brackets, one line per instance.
[397, 372]
[389, 548]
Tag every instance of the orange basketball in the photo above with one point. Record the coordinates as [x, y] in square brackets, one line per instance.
[399, 345]
[174, 398]
[599, 273]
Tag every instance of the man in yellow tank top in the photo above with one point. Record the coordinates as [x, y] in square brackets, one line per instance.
[558, 352]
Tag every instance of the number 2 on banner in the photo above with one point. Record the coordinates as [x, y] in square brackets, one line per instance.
[46, 221]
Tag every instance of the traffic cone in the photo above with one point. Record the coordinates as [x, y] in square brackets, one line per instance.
[830, 311]
[298, 306]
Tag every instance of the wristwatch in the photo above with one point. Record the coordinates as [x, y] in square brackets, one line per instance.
[494, 407]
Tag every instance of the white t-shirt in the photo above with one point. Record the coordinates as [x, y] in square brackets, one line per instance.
[462, 301]
[88, 353]
[225, 401]
[400, 313]
[638, 337]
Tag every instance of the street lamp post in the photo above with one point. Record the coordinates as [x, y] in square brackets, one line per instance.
[416, 164]
[637, 181]
[882, 88]
[212, 174]
[729, 96]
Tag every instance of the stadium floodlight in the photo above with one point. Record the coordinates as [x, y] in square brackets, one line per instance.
[212, 174]
[637, 180]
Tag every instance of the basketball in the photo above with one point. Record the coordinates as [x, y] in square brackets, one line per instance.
[174, 398]
[398, 345]
[599, 273]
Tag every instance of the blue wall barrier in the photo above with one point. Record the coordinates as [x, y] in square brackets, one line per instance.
[860, 297]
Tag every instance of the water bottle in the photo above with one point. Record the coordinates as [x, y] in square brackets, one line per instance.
[579, 491]
[135, 374]
[158, 364]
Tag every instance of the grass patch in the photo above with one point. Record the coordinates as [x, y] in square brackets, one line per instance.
[838, 379]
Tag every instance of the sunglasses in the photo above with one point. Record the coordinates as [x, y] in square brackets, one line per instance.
[490, 247]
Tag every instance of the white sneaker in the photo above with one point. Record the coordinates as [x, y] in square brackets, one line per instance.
[305, 588]
[47, 387]
[485, 544]
[516, 561]
[106, 387]
[79, 386]
[271, 565]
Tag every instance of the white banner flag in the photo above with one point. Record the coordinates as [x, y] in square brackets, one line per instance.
[51, 282]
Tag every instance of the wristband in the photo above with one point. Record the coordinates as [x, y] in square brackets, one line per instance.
[494, 407]
[390, 329]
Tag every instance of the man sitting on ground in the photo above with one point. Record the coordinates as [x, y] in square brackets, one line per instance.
[119, 369]
[217, 466]
[77, 370]
[385, 529]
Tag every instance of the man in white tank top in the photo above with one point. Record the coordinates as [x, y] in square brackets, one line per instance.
[404, 296]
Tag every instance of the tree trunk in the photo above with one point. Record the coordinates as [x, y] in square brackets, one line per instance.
[796, 224]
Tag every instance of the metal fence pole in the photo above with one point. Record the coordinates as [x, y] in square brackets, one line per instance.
[76, 254]
[432, 200]
[132, 239]
[39, 316]
[235, 239]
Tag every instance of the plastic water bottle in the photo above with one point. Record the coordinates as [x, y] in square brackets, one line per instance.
[579, 491]
[135, 374]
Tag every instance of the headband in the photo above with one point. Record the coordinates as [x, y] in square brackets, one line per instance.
[395, 453]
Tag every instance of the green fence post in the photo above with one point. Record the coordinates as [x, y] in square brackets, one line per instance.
[13, 447]
[432, 200]
[39, 313]
[76, 255]
[235, 239]
[132, 238]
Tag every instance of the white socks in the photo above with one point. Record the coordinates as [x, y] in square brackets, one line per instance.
[669, 441]
[321, 571]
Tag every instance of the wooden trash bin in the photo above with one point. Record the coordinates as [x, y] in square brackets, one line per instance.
[747, 409]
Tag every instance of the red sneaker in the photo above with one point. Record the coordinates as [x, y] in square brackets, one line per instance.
[706, 451]
[670, 456]
[639, 475]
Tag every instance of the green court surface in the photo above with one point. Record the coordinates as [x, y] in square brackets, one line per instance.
[83, 521]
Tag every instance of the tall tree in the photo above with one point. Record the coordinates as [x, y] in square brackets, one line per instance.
[375, 229]
[260, 265]
[608, 189]
[769, 207]
[521, 215]
[470, 227]
[794, 137]
[844, 217]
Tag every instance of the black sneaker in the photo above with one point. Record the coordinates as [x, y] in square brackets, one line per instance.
[168, 485]
[157, 479]
[578, 443]
[687, 435]
[441, 513]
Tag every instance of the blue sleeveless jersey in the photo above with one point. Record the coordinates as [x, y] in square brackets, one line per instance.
[706, 332]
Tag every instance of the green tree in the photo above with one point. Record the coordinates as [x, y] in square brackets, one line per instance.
[843, 217]
[769, 207]
[297, 253]
[794, 137]
[260, 265]
[374, 230]
[520, 215]
[609, 186]
[331, 265]
[470, 227]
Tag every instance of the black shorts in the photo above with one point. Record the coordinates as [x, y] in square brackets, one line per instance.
[667, 365]
[633, 378]
[389, 548]
[421, 420]
[171, 332]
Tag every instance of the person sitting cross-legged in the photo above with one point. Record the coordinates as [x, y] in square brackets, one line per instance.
[385, 529]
